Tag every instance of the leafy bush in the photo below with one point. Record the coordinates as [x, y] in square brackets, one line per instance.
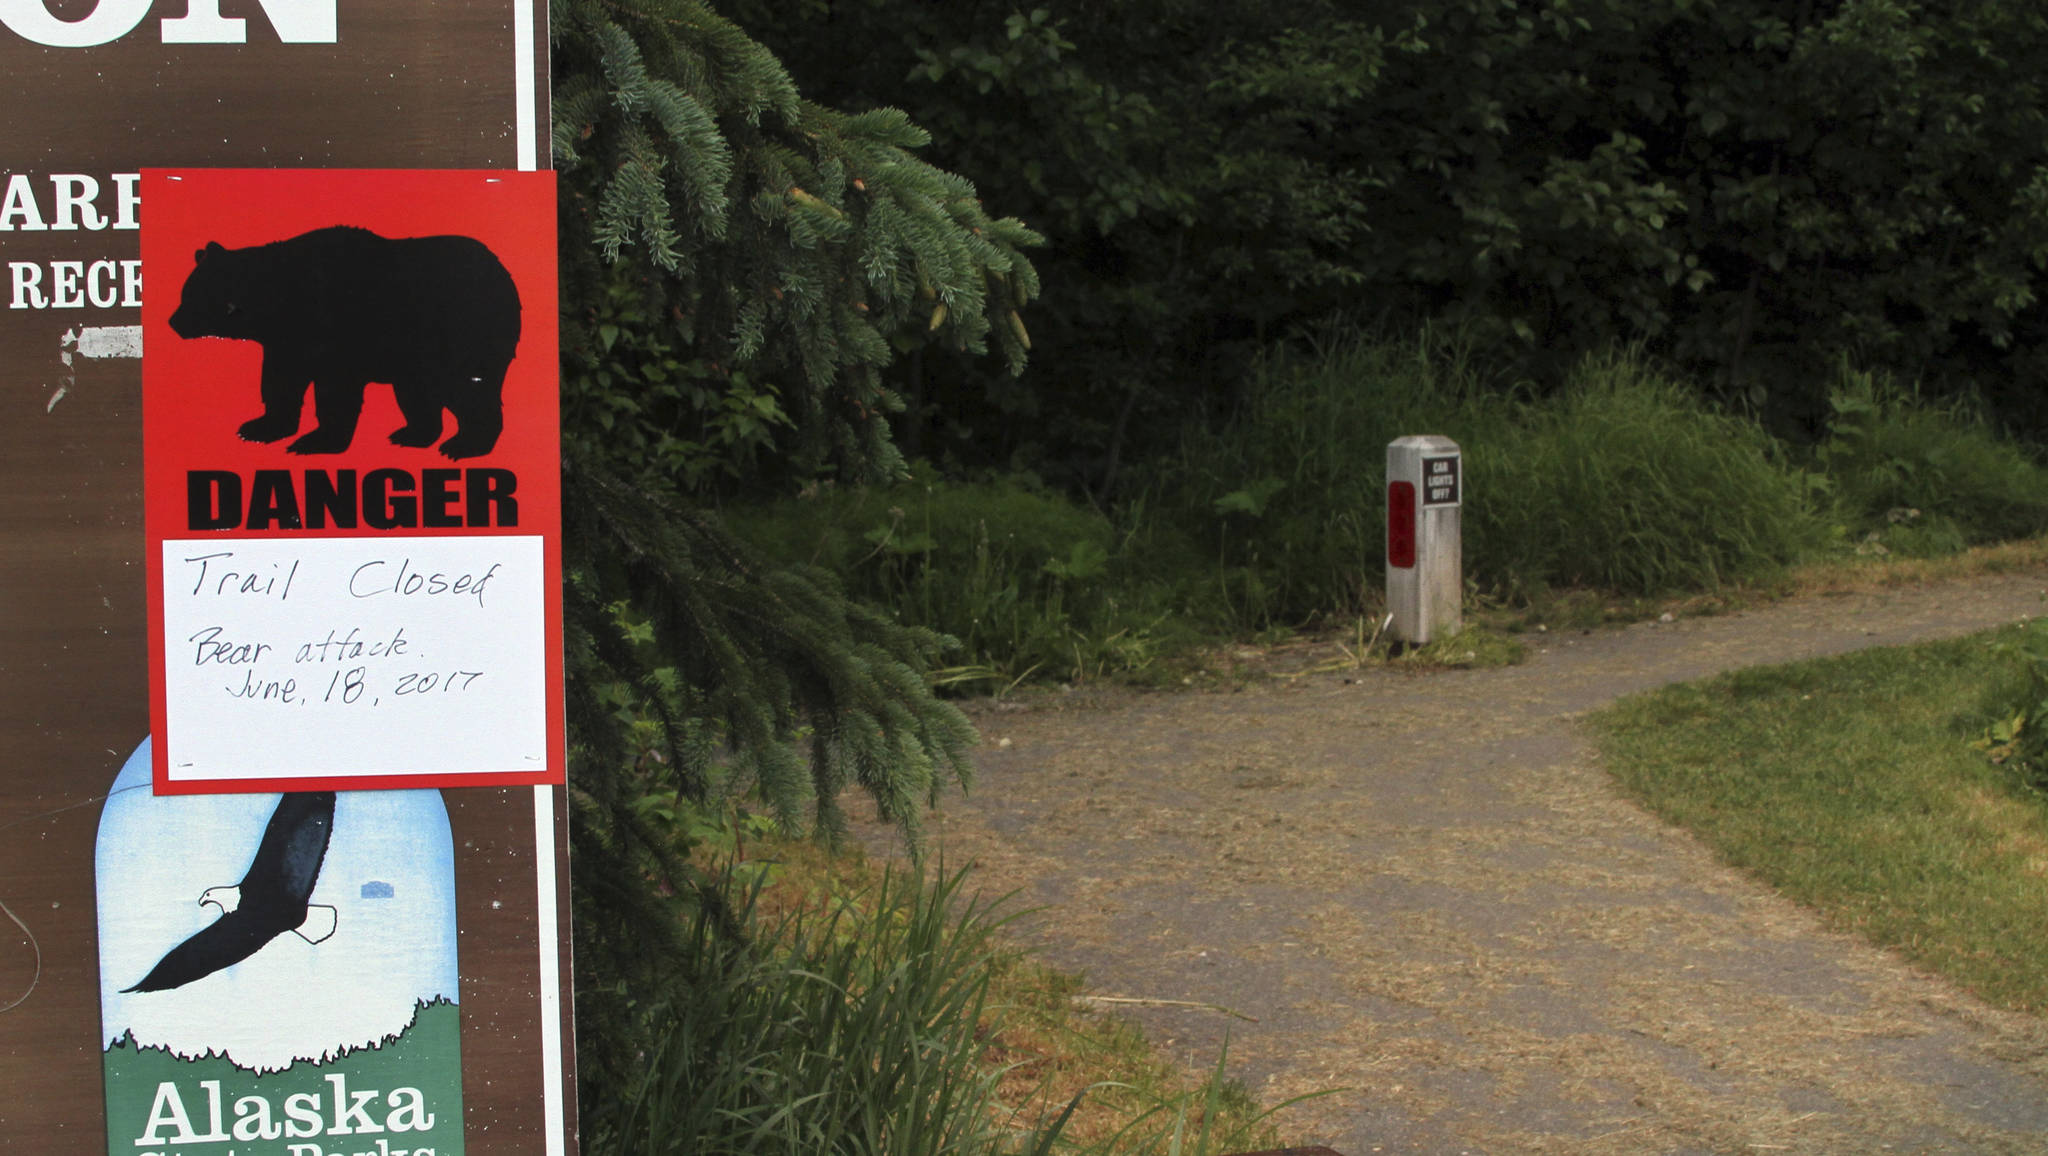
[1024, 580]
[1923, 478]
[1747, 186]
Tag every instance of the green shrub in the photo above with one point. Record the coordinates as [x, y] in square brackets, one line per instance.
[1923, 478]
[1627, 482]
[1023, 579]
[1621, 480]
[1288, 492]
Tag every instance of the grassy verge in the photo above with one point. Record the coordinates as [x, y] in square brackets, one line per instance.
[1620, 478]
[1029, 583]
[863, 1010]
[1849, 784]
[1051, 1047]
[1605, 497]
[1842, 572]
[1852, 573]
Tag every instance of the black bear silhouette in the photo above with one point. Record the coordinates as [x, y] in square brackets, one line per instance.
[436, 318]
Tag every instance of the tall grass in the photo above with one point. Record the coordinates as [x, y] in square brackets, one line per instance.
[832, 1012]
[854, 1032]
[1628, 482]
[1925, 478]
[1618, 477]
[1621, 479]
[1026, 581]
[1286, 493]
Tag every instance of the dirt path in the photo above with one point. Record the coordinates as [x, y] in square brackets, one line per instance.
[1425, 890]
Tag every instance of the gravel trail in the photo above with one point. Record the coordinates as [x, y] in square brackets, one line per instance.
[1424, 889]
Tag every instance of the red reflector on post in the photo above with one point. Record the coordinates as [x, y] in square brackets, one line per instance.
[1401, 525]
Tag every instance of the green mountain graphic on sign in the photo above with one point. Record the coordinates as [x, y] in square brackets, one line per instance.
[401, 1095]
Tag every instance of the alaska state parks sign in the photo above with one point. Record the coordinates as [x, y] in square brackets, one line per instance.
[300, 952]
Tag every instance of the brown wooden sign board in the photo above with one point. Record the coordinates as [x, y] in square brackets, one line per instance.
[97, 90]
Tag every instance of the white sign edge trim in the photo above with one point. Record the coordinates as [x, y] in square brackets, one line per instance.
[526, 68]
[549, 930]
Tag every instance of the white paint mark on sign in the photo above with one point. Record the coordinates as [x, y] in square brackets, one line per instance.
[106, 340]
[94, 341]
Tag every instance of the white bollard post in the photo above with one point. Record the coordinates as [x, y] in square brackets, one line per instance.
[1425, 561]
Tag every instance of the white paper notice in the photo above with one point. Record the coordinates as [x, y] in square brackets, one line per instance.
[286, 658]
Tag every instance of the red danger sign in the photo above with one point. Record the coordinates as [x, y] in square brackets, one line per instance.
[352, 479]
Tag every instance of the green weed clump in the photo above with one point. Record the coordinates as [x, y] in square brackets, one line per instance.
[849, 1032]
[1287, 494]
[1028, 582]
[2016, 704]
[825, 1006]
[1627, 482]
[1621, 480]
[1924, 479]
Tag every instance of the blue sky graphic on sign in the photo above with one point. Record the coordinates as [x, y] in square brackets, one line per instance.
[386, 884]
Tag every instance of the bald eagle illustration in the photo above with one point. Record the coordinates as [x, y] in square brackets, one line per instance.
[270, 900]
